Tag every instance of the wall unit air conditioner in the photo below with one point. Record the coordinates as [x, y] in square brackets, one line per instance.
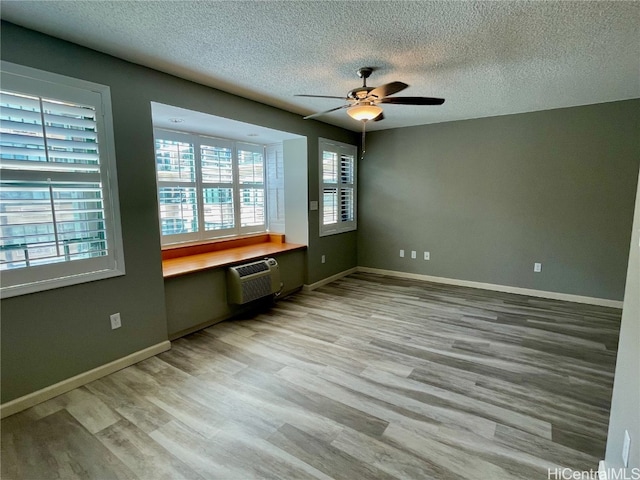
[252, 281]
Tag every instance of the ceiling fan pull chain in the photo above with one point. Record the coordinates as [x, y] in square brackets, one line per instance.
[364, 124]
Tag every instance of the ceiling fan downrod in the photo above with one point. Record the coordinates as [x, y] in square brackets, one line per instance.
[364, 73]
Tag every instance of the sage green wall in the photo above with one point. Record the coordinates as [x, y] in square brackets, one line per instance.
[625, 403]
[53, 335]
[338, 249]
[50, 336]
[489, 197]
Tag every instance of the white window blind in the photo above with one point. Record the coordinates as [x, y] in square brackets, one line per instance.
[218, 177]
[176, 172]
[59, 221]
[208, 187]
[251, 180]
[275, 187]
[337, 187]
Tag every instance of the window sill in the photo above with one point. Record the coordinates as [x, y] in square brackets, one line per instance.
[185, 259]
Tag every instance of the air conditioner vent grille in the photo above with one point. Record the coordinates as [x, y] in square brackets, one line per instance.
[256, 288]
[251, 281]
[252, 268]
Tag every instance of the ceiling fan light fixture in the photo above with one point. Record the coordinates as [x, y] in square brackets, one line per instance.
[364, 112]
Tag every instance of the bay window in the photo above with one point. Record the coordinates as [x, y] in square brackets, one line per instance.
[208, 187]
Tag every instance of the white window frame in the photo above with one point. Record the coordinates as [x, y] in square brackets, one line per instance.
[340, 149]
[31, 279]
[199, 184]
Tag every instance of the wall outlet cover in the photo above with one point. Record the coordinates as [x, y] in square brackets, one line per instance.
[116, 322]
[537, 267]
[413, 254]
[427, 256]
[313, 205]
[402, 253]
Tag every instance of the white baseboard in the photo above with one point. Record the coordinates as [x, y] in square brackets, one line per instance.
[603, 302]
[27, 401]
[324, 281]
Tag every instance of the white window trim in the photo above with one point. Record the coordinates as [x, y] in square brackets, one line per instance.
[49, 276]
[206, 235]
[341, 149]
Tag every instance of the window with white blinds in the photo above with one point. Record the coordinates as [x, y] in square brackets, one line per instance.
[59, 221]
[337, 187]
[208, 187]
[274, 172]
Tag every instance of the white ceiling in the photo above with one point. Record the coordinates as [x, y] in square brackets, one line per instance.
[484, 58]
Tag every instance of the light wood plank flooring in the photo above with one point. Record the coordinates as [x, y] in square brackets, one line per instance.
[369, 377]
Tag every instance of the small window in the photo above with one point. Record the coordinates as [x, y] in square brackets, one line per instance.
[59, 218]
[208, 187]
[337, 187]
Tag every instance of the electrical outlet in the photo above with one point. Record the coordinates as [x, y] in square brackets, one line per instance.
[626, 446]
[537, 267]
[427, 256]
[115, 321]
[402, 253]
[323, 259]
[414, 254]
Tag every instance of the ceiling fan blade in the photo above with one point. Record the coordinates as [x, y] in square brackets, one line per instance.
[412, 100]
[326, 111]
[320, 96]
[387, 89]
[379, 117]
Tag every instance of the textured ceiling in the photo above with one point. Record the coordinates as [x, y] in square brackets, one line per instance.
[484, 58]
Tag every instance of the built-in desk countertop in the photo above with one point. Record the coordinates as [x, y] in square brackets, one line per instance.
[182, 260]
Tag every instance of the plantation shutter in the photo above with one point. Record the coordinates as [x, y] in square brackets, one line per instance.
[55, 213]
[177, 188]
[208, 187]
[251, 187]
[218, 179]
[337, 187]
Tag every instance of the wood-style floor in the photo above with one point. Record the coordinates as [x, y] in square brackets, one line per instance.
[369, 377]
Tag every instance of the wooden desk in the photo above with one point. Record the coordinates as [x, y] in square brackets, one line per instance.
[182, 260]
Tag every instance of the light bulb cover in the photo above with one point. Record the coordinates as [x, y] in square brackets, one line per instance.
[364, 112]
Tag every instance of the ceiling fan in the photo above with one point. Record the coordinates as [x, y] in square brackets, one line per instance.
[363, 102]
